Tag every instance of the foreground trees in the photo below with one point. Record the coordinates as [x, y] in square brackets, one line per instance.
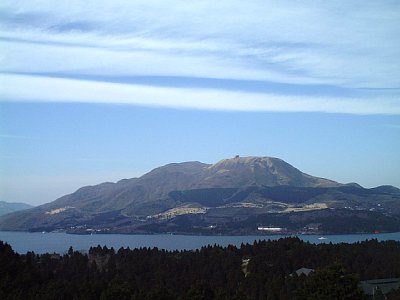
[211, 272]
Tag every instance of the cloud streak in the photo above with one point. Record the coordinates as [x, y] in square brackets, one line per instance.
[48, 89]
[344, 46]
[11, 136]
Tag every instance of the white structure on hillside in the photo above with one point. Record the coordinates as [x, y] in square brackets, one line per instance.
[270, 229]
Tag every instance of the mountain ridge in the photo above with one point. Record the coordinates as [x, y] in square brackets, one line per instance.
[9, 207]
[158, 182]
[240, 185]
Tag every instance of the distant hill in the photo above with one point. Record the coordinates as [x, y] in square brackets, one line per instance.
[191, 196]
[9, 207]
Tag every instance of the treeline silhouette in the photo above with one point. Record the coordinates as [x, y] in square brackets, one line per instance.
[263, 270]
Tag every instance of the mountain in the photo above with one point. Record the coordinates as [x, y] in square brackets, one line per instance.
[9, 207]
[201, 196]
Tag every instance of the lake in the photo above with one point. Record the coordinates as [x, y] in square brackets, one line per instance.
[38, 242]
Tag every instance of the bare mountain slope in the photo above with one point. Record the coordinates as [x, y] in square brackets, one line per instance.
[258, 171]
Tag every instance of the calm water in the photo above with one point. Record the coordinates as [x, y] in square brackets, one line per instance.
[60, 242]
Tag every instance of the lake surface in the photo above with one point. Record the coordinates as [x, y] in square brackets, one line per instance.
[38, 242]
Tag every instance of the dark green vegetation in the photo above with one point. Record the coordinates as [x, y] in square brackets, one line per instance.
[233, 196]
[263, 270]
[9, 207]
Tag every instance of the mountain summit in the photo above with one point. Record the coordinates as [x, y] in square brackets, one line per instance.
[258, 171]
[239, 185]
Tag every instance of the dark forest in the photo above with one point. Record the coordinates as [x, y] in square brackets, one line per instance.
[263, 270]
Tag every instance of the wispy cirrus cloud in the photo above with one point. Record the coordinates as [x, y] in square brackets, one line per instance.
[12, 136]
[343, 46]
[49, 89]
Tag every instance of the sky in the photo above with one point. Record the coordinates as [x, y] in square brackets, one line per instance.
[94, 91]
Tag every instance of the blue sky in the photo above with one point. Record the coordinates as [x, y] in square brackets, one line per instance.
[103, 90]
